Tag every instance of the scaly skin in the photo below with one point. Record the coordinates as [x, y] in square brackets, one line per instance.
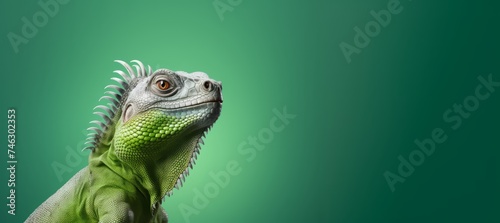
[142, 149]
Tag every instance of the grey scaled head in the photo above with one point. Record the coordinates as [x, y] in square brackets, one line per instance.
[175, 93]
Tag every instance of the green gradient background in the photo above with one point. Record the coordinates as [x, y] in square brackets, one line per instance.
[353, 120]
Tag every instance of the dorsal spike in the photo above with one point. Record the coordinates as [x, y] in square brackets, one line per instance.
[141, 71]
[111, 99]
[105, 108]
[112, 107]
[92, 134]
[95, 129]
[129, 69]
[98, 123]
[115, 102]
[114, 94]
[119, 89]
[103, 116]
[88, 147]
[124, 76]
[91, 143]
[149, 70]
[138, 70]
[120, 81]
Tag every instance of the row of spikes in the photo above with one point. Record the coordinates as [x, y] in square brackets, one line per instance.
[114, 97]
[192, 162]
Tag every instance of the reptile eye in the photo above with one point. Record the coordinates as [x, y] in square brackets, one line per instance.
[162, 85]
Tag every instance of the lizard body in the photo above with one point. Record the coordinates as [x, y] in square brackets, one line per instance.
[144, 146]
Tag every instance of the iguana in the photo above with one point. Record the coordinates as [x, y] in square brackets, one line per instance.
[147, 141]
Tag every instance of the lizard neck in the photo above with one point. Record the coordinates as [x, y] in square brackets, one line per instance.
[153, 177]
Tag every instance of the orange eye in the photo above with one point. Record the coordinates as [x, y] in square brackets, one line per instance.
[162, 84]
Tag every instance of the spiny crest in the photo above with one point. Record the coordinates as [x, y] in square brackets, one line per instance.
[114, 95]
[192, 162]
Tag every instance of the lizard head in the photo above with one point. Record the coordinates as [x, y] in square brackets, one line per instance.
[156, 123]
[165, 110]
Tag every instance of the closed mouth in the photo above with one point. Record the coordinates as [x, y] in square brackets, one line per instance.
[201, 103]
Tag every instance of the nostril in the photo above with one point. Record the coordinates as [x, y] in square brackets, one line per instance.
[207, 85]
